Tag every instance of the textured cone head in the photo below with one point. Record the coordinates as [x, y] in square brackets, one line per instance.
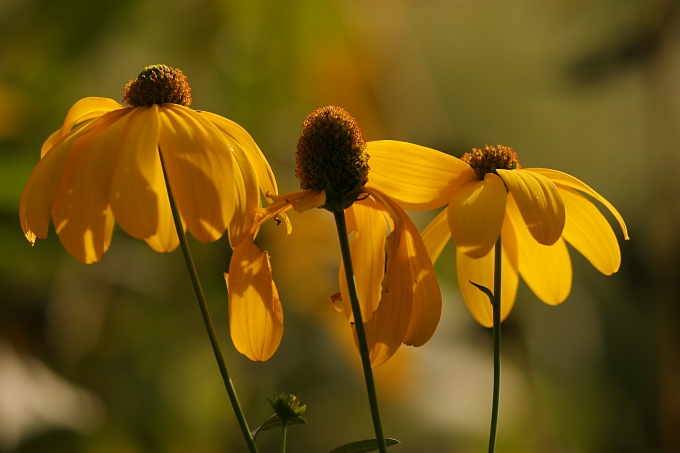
[491, 158]
[158, 84]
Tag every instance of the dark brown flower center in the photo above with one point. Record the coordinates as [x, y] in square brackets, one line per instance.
[331, 153]
[490, 159]
[158, 84]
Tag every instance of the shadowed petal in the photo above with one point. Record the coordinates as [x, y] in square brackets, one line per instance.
[564, 179]
[475, 215]
[83, 110]
[416, 177]
[255, 315]
[437, 235]
[243, 220]
[481, 272]
[545, 268]
[81, 211]
[590, 233]
[539, 202]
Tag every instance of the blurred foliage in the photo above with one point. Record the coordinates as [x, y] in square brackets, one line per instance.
[588, 87]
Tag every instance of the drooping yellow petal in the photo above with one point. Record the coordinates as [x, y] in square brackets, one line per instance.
[241, 137]
[590, 233]
[255, 314]
[83, 110]
[416, 177]
[243, 219]
[136, 192]
[475, 215]
[564, 179]
[481, 272]
[546, 269]
[201, 170]
[368, 257]
[437, 235]
[37, 199]
[81, 211]
[539, 202]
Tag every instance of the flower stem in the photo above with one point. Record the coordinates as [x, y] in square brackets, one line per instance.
[359, 326]
[207, 320]
[496, 345]
[283, 436]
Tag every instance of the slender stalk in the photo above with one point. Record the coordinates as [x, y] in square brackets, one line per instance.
[207, 320]
[359, 326]
[283, 436]
[496, 345]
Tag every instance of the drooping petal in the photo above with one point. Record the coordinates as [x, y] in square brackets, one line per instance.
[436, 235]
[368, 257]
[37, 199]
[240, 136]
[590, 233]
[475, 215]
[416, 177]
[481, 272]
[427, 298]
[564, 179]
[201, 170]
[81, 211]
[83, 110]
[255, 314]
[545, 268]
[136, 191]
[243, 220]
[539, 202]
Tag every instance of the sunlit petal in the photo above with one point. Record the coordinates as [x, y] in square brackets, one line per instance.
[81, 211]
[564, 179]
[135, 189]
[590, 233]
[243, 219]
[539, 202]
[255, 315]
[368, 257]
[545, 268]
[83, 110]
[200, 168]
[481, 272]
[240, 136]
[475, 215]
[437, 235]
[416, 177]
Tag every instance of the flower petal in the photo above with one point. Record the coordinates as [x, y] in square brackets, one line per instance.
[590, 233]
[136, 189]
[83, 110]
[564, 179]
[255, 314]
[539, 202]
[368, 257]
[81, 211]
[201, 170]
[481, 272]
[475, 215]
[437, 235]
[241, 138]
[416, 177]
[243, 220]
[545, 268]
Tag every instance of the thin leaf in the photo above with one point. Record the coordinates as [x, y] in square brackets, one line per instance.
[363, 446]
[485, 290]
[274, 422]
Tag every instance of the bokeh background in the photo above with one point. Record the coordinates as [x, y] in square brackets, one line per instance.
[113, 357]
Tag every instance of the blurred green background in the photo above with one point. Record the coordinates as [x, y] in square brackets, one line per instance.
[113, 357]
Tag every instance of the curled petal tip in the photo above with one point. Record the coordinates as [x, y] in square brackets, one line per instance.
[30, 235]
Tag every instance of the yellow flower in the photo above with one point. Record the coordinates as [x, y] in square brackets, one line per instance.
[536, 211]
[398, 291]
[104, 164]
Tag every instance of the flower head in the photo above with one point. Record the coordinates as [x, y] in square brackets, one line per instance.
[536, 211]
[399, 296]
[104, 165]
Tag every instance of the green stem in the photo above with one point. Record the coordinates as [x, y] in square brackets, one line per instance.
[496, 345]
[283, 436]
[359, 326]
[207, 320]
